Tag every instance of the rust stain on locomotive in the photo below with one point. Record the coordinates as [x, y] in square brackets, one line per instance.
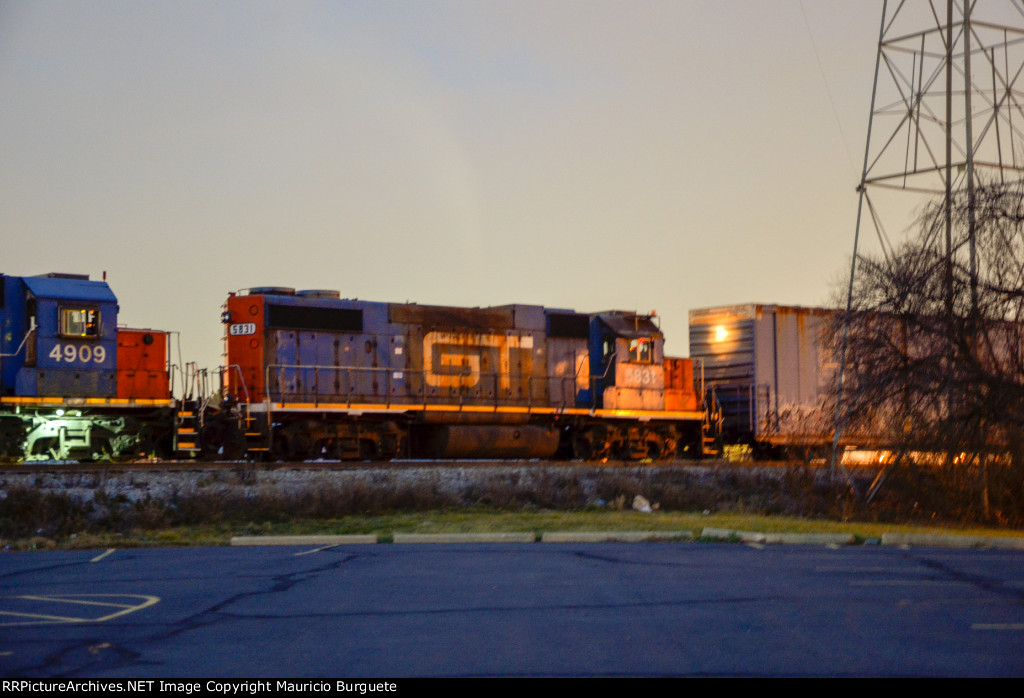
[433, 317]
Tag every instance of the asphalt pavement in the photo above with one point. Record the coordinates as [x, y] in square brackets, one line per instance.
[513, 609]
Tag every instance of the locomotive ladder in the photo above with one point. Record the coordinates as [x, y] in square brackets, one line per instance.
[188, 419]
[711, 425]
[255, 441]
[187, 432]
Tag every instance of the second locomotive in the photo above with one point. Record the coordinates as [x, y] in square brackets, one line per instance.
[309, 375]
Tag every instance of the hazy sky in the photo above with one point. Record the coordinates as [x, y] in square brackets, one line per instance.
[652, 154]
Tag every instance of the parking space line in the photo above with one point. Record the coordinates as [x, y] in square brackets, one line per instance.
[63, 599]
[47, 618]
[103, 555]
[42, 616]
[908, 583]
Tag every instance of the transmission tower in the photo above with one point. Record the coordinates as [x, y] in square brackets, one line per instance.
[947, 112]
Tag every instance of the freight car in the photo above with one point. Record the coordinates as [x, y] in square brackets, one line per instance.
[770, 370]
[72, 384]
[309, 375]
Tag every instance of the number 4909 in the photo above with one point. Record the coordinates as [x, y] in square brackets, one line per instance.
[82, 353]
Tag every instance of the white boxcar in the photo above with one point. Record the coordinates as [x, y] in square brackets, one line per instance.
[769, 368]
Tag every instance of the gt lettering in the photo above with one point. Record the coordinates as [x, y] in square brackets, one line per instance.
[455, 359]
[82, 353]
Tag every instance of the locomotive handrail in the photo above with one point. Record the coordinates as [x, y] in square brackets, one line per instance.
[170, 378]
[28, 333]
[593, 384]
[700, 364]
[281, 368]
[276, 377]
[186, 381]
[170, 361]
[241, 378]
[563, 400]
[308, 379]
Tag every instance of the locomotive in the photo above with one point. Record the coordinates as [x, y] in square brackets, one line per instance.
[73, 385]
[311, 375]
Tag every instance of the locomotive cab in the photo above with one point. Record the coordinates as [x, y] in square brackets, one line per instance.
[70, 387]
[71, 331]
[627, 357]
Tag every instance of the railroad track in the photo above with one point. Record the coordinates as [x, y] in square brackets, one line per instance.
[399, 464]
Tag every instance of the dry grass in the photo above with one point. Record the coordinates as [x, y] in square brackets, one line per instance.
[478, 520]
[749, 499]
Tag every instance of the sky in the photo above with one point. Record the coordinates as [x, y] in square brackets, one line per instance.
[647, 155]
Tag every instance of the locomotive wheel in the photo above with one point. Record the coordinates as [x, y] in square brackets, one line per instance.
[103, 452]
[401, 447]
[368, 449]
[655, 446]
[220, 439]
[295, 443]
[209, 440]
[632, 450]
[12, 440]
[591, 444]
[661, 445]
[342, 448]
[281, 449]
[669, 448]
[234, 444]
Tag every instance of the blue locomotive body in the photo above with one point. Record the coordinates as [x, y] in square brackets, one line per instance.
[59, 374]
[321, 375]
[58, 337]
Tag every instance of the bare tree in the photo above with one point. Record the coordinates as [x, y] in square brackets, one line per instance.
[935, 353]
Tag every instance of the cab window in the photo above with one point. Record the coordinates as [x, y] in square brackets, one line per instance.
[83, 323]
[608, 348]
[640, 350]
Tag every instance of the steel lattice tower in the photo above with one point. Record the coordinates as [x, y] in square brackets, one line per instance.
[947, 112]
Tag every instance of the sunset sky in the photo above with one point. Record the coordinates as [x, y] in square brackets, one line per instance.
[657, 154]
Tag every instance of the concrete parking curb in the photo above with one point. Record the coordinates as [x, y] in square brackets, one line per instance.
[464, 538]
[721, 534]
[305, 540]
[614, 536]
[949, 541]
[779, 538]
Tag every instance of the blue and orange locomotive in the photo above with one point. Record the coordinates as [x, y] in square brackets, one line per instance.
[311, 375]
